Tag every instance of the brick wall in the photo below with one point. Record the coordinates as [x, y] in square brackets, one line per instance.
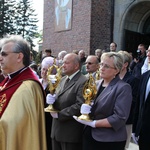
[90, 27]
[100, 25]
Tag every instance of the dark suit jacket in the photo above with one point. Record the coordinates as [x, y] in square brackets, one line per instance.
[142, 115]
[136, 67]
[113, 103]
[134, 82]
[48, 123]
[68, 102]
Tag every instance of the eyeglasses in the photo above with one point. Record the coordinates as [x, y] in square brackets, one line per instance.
[4, 54]
[106, 66]
[89, 63]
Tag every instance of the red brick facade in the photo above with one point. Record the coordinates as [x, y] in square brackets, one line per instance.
[91, 27]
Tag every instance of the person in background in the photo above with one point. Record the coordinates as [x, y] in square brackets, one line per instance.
[48, 53]
[22, 120]
[66, 133]
[75, 51]
[31, 58]
[113, 47]
[34, 68]
[2, 77]
[61, 55]
[141, 125]
[110, 111]
[92, 66]
[104, 51]
[146, 65]
[45, 64]
[98, 53]
[138, 62]
[126, 76]
[82, 57]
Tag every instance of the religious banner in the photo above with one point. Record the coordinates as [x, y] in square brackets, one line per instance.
[63, 15]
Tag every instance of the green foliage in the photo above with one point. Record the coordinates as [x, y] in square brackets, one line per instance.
[6, 17]
[18, 17]
[38, 57]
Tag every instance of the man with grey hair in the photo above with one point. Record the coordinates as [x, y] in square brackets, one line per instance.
[61, 55]
[22, 124]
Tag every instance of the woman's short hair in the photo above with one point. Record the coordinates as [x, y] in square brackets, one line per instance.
[118, 61]
[126, 57]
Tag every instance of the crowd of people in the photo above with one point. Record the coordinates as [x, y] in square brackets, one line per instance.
[120, 109]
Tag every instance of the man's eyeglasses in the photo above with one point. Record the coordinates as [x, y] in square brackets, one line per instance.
[106, 66]
[4, 54]
[89, 63]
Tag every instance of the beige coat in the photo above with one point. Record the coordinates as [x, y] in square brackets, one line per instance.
[22, 125]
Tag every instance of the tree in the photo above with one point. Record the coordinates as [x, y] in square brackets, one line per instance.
[18, 17]
[25, 20]
[6, 17]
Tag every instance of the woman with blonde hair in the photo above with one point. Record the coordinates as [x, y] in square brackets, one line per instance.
[110, 111]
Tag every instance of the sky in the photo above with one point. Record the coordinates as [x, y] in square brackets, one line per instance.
[38, 6]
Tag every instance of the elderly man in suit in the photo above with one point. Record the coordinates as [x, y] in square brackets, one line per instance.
[66, 133]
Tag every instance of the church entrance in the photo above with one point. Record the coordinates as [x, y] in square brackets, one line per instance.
[133, 39]
[132, 27]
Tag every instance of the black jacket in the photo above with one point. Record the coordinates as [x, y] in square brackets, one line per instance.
[142, 111]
